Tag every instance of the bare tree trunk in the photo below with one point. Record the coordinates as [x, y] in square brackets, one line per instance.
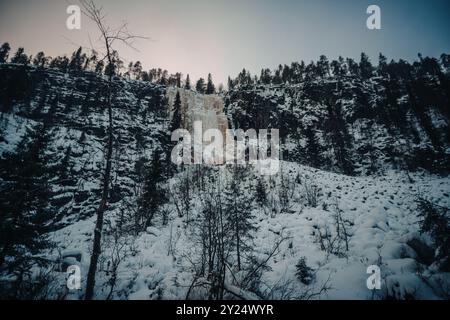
[109, 36]
[90, 283]
[238, 247]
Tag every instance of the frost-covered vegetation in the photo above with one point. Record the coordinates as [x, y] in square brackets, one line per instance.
[363, 181]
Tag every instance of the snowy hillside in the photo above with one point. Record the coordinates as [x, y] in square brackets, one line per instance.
[72, 108]
[335, 118]
[346, 197]
[382, 226]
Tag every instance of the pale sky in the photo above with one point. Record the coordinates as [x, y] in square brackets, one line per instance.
[224, 36]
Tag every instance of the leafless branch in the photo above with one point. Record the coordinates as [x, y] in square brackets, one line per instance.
[109, 35]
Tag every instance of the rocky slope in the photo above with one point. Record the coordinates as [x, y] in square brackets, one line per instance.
[300, 217]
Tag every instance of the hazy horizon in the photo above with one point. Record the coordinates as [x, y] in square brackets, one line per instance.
[198, 37]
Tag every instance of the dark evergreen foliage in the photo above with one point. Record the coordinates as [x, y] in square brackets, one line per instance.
[176, 117]
[365, 117]
[153, 195]
[436, 221]
[24, 202]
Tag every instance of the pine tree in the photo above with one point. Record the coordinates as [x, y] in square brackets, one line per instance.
[210, 88]
[445, 62]
[76, 63]
[304, 273]
[261, 192]
[4, 52]
[176, 118]
[286, 74]
[85, 62]
[382, 65]
[153, 194]
[85, 107]
[365, 67]
[129, 71]
[313, 149]
[323, 66]
[266, 76]
[339, 137]
[245, 79]
[99, 67]
[24, 201]
[338, 68]
[20, 57]
[230, 83]
[200, 86]
[277, 78]
[40, 59]
[239, 214]
[64, 167]
[163, 79]
[50, 116]
[187, 85]
[435, 221]
[353, 67]
[145, 77]
[178, 79]
[60, 63]
[137, 70]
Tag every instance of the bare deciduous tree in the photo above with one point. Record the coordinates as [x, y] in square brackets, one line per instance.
[109, 37]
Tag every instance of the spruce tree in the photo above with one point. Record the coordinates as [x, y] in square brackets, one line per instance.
[24, 202]
[99, 67]
[365, 67]
[210, 88]
[353, 67]
[187, 85]
[4, 52]
[239, 216]
[339, 137]
[153, 194]
[176, 118]
[230, 84]
[323, 66]
[200, 86]
[76, 63]
[382, 65]
[20, 57]
[261, 192]
[178, 79]
[40, 60]
[137, 70]
[313, 149]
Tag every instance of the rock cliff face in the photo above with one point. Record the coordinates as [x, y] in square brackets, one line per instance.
[351, 124]
[71, 106]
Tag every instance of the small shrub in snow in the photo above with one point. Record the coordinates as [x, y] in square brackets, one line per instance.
[304, 273]
[261, 192]
[311, 194]
[436, 222]
[334, 239]
[286, 192]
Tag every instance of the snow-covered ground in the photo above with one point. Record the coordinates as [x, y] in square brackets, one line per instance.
[382, 219]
